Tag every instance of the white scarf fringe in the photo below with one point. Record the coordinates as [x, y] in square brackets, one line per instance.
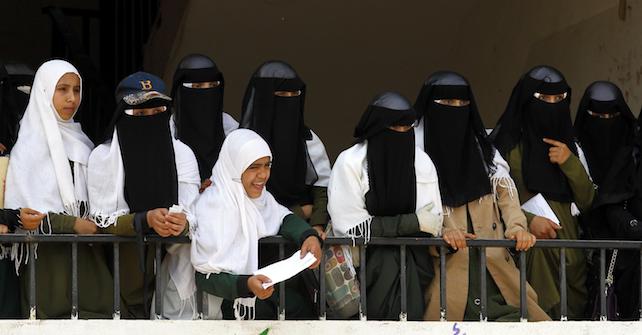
[244, 308]
[575, 211]
[4, 252]
[505, 182]
[104, 220]
[19, 252]
[361, 230]
[447, 210]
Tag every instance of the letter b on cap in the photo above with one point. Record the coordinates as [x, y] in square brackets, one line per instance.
[146, 84]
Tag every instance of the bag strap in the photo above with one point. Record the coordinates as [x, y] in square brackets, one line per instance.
[609, 275]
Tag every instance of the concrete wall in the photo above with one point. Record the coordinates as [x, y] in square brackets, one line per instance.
[108, 327]
[348, 51]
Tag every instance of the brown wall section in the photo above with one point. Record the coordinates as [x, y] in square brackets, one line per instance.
[347, 51]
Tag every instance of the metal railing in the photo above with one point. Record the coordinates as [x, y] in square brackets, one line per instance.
[401, 242]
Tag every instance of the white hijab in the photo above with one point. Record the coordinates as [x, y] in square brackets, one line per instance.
[39, 174]
[230, 223]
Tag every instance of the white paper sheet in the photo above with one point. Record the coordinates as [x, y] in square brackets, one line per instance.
[287, 268]
[537, 205]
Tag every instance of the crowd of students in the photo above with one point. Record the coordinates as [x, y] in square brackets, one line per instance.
[175, 164]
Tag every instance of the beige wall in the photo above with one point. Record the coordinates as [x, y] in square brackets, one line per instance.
[347, 51]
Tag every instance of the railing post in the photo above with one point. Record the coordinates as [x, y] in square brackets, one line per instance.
[322, 289]
[483, 315]
[74, 281]
[116, 315]
[363, 306]
[602, 284]
[199, 304]
[158, 296]
[443, 316]
[523, 303]
[640, 311]
[281, 286]
[30, 243]
[563, 286]
[32, 281]
[403, 316]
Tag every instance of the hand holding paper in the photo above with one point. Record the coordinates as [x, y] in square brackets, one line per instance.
[537, 205]
[286, 269]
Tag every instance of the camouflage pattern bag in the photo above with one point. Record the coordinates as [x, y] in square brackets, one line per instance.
[342, 286]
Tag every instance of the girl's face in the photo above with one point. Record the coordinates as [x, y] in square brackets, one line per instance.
[255, 177]
[66, 97]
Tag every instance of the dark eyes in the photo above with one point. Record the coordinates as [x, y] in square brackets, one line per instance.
[64, 88]
[254, 167]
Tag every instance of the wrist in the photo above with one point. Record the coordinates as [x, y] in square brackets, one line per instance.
[147, 219]
[243, 287]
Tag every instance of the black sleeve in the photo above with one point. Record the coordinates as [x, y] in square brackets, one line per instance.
[10, 218]
[394, 226]
[296, 230]
[623, 223]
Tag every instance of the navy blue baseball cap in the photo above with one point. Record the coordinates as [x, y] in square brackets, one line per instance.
[142, 88]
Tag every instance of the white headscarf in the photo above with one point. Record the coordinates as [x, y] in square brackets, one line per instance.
[230, 223]
[39, 174]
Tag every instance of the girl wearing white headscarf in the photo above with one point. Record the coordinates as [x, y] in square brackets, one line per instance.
[47, 172]
[232, 216]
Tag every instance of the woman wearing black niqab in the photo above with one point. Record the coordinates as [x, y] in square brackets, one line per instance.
[620, 199]
[135, 177]
[15, 86]
[273, 107]
[199, 120]
[535, 136]
[384, 186]
[604, 124]
[475, 187]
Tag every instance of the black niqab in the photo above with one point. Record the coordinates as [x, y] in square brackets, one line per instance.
[198, 112]
[623, 180]
[527, 120]
[455, 139]
[147, 152]
[279, 120]
[390, 156]
[602, 137]
[13, 102]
